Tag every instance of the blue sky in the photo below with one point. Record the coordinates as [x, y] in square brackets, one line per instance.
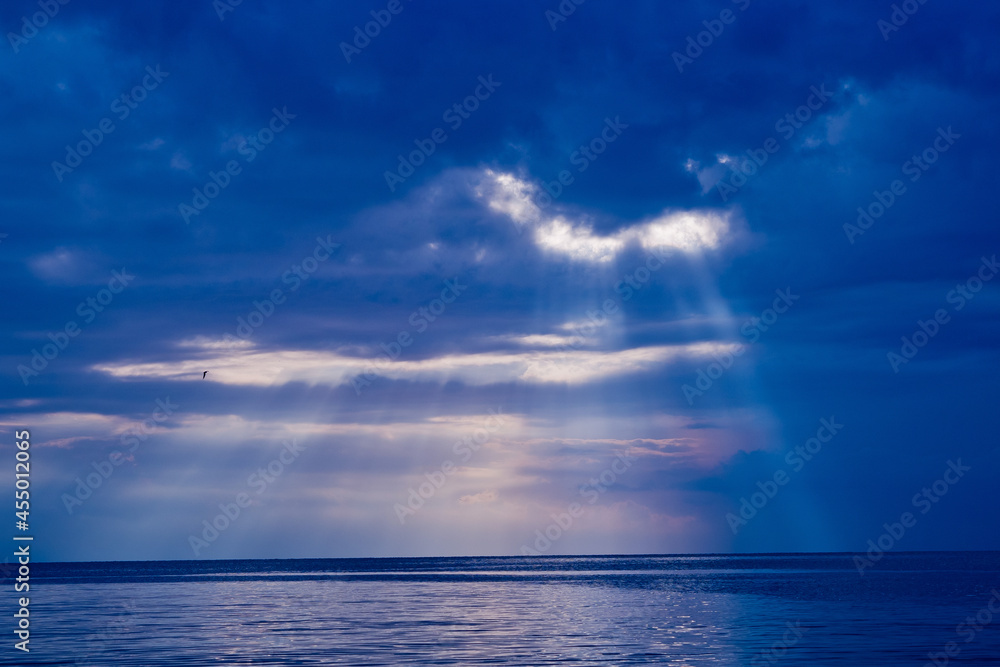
[485, 275]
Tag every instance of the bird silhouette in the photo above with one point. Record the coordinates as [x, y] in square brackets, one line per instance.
[204, 374]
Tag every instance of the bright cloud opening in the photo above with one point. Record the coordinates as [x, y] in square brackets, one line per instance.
[690, 232]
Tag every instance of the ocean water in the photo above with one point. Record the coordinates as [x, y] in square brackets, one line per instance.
[810, 609]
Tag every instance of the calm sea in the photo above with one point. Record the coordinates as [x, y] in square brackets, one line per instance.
[671, 610]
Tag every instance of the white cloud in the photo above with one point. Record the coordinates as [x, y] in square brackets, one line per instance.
[690, 232]
[543, 340]
[687, 231]
[579, 242]
[265, 368]
[510, 196]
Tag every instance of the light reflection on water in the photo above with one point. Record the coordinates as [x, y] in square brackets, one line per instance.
[550, 611]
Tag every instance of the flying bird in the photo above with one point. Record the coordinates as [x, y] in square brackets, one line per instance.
[204, 374]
